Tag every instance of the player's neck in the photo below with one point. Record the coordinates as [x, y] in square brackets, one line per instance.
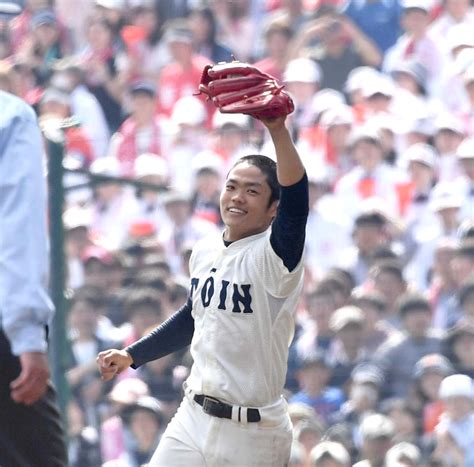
[230, 237]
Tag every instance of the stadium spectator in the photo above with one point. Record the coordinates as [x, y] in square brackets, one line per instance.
[338, 45]
[398, 357]
[203, 24]
[377, 432]
[347, 349]
[314, 373]
[455, 432]
[102, 78]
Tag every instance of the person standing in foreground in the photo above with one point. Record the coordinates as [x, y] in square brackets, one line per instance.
[30, 425]
[238, 319]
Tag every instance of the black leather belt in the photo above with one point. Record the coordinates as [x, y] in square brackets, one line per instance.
[219, 409]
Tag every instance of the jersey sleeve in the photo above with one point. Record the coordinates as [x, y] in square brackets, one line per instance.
[172, 335]
[288, 229]
[280, 266]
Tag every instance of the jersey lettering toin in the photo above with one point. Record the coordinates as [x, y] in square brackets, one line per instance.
[241, 297]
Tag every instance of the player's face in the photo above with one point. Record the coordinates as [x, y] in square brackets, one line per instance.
[244, 202]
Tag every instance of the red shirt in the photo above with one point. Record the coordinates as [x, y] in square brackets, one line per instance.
[268, 65]
[176, 82]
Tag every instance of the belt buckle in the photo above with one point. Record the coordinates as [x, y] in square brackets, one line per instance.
[209, 405]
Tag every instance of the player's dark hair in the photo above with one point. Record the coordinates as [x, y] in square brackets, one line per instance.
[268, 167]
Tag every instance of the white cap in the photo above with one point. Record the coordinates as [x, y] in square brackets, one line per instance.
[111, 4]
[365, 132]
[459, 35]
[345, 316]
[421, 125]
[468, 75]
[150, 164]
[400, 451]
[10, 8]
[385, 121]
[326, 99]
[220, 119]
[207, 160]
[318, 173]
[358, 76]
[375, 426]
[420, 4]
[76, 216]
[335, 451]
[106, 166]
[445, 196]
[302, 70]
[456, 386]
[466, 149]
[378, 84]
[448, 121]
[422, 153]
[463, 60]
[337, 115]
[188, 110]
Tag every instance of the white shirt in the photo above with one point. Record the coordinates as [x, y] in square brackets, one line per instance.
[427, 51]
[174, 238]
[442, 25]
[327, 237]
[110, 222]
[465, 188]
[87, 109]
[243, 300]
[347, 189]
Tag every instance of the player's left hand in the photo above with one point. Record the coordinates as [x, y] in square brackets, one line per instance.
[32, 382]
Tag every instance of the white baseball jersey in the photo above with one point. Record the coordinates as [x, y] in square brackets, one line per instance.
[243, 300]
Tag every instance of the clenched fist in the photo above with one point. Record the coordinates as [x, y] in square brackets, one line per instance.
[112, 362]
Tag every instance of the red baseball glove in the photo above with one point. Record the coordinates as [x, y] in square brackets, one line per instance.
[236, 87]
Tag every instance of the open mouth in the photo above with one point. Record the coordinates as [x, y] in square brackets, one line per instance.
[236, 211]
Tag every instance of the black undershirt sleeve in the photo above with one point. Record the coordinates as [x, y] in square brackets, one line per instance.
[172, 335]
[288, 229]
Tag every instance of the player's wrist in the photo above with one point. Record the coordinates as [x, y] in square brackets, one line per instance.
[279, 132]
[129, 357]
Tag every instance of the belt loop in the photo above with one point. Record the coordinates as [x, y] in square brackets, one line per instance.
[243, 415]
[188, 392]
[235, 413]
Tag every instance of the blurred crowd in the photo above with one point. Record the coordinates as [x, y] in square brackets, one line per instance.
[382, 358]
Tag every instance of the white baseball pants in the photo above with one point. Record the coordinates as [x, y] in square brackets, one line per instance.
[196, 439]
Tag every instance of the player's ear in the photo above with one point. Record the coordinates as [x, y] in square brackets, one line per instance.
[273, 208]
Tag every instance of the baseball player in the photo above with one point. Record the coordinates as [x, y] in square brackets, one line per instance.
[238, 319]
